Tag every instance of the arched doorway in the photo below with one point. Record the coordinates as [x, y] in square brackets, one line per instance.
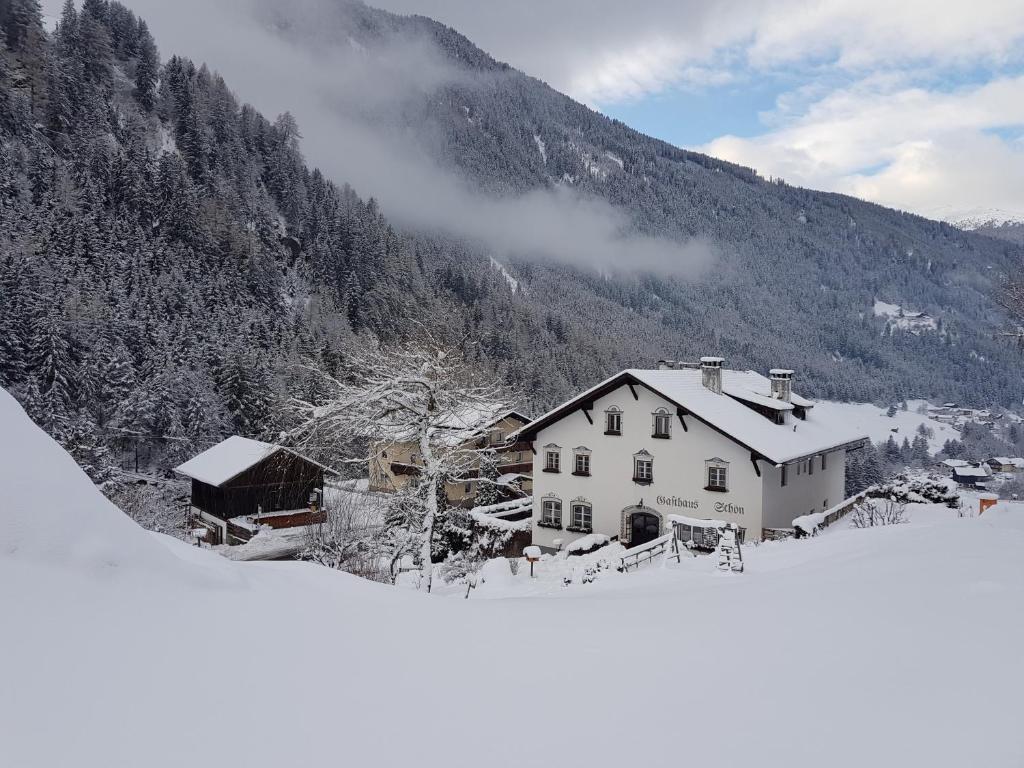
[643, 527]
[640, 524]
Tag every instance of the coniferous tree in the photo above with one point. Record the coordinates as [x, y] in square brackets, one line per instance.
[919, 450]
[147, 69]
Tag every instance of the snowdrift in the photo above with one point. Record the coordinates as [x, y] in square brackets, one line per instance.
[51, 511]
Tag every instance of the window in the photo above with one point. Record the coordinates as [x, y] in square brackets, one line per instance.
[467, 487]
[810, 466]
[662, 423]
[613, 421]
[785, 475]
[717, 473]
[552, 458]
[582, 517]
[497, 437]
[582, 462]
[824, 463]
[551, 513]
[643, 468]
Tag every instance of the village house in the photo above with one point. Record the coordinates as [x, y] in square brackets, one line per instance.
[972, 475]
[396, 465]
[1006, 464]
[240, 485]
[687, 439]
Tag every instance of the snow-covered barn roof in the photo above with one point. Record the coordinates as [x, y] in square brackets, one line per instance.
[971, 472]
[1007, 460]
[780, 443]
[230, 458]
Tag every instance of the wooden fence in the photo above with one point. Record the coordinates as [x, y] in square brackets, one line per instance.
[644, 553]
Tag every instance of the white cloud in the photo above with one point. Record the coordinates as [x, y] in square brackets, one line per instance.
[929, 151]
[608, 51]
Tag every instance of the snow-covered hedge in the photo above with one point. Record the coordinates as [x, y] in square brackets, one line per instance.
[493, 537]
[917, 489]
[587, 544]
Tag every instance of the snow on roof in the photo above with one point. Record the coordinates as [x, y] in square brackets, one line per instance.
[1008, 460]
[465, 423]
[971, 472]
[742, 393]
[226, 460]
[777, 442]
[955, 463]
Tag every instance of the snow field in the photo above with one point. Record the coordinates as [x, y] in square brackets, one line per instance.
[889, 646]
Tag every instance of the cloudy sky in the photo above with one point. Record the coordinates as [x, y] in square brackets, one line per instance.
[917, 104]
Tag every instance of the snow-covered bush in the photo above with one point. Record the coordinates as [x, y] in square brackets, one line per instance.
[1012, 489]
[587, 544]
[453, 533]
[494, 537]
[154, 506]
[457, 567]
[350, 540]
[495, 573]
[870, 513]
[917, 489]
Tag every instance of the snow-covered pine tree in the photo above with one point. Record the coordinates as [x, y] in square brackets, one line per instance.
[487, 489]
[919, 450]
[147, 70]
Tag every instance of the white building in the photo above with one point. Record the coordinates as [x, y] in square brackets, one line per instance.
[688, 439]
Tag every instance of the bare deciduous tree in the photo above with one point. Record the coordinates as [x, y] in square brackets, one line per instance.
[425, 393]
[869, 513]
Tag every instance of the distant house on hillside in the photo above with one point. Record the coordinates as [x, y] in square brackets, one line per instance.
[972, 476]
[1005, 464]
[395, 465]
[953, 464]
[240, 484]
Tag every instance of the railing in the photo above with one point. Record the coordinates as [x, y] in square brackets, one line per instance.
[809, 525]
[644, 553]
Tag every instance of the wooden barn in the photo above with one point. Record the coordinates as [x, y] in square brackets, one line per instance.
[240, 485]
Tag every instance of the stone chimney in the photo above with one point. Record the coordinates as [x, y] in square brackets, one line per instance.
[711, 373]
[782, 384]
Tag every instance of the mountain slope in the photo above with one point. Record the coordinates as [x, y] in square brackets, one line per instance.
[797, 271]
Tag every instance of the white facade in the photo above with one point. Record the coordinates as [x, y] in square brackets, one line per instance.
[682, 481]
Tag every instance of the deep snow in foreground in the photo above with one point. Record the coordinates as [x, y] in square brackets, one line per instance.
[893, 646]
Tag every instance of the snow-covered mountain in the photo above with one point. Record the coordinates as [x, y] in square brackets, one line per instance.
[1001, 223]
[1009, 228]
